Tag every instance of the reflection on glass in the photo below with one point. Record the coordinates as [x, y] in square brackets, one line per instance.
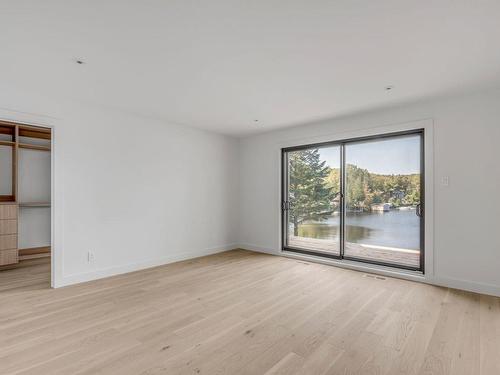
[313, 193]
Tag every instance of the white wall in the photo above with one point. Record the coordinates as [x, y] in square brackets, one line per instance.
[33, 175]
[34, 179]
[5, 170]
[466, 213]
[136, 192]
[33, 227]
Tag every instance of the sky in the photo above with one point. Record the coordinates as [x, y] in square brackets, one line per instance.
[390, 156]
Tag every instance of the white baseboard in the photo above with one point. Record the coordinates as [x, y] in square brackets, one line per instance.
[113, 271]
[470, 286]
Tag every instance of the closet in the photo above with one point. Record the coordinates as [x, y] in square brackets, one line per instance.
[25, 193]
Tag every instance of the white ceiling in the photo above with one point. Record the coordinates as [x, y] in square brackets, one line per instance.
[220, 65]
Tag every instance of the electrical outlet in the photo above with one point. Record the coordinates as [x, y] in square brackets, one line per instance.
[90, 257]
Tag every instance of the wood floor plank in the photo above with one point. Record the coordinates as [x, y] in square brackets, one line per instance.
[243, 313]
[489, 335]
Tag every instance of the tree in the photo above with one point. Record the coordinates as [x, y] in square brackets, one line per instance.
[309, 194]
[333, 179]
[356, 187]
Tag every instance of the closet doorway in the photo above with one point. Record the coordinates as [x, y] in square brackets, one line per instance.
[357, 199]
[25, 205]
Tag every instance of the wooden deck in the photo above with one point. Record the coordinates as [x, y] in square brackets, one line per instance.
[407, 257]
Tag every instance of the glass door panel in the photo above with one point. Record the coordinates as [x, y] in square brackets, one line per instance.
[312, 200]
[382, 201]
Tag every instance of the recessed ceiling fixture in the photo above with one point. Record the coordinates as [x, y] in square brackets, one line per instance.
[388, 88]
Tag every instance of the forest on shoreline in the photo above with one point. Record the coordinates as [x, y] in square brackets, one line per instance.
[364, 189]
[314, 188]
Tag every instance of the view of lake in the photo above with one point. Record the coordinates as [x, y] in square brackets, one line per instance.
[395, 228]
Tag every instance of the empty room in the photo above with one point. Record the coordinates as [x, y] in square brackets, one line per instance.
[250, 187]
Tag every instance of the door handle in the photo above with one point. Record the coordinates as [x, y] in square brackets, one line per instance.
[418, 210]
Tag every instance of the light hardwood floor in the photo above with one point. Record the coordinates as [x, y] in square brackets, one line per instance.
[243, 313]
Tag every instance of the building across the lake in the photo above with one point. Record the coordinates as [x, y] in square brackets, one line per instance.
[381, 207]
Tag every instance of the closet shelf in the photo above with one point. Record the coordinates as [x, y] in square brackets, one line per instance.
[34, 204]
[34, 147]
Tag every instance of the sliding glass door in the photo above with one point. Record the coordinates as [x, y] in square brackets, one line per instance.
[358, 199]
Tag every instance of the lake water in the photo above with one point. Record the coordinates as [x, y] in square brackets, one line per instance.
[396, 228]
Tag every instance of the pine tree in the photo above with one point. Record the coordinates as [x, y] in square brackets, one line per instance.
[309, 193]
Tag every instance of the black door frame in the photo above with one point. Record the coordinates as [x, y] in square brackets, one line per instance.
[342, 143]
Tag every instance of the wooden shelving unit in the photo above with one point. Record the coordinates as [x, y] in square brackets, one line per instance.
[34, 147]
[16, 137]
[34, 252]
